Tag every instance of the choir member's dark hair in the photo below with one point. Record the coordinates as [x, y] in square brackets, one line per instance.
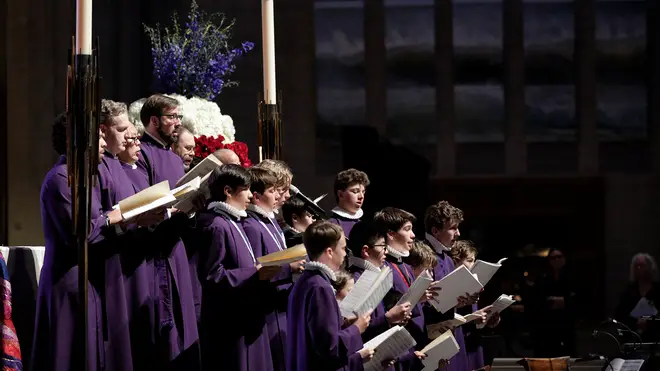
[232, 176]
[462, 250]
[391, 219]
[364, 233]
[348, 178]
[441, 215]
[59, 134]
[319, 236]
[261, 179]
[156, 105]
[291, 207]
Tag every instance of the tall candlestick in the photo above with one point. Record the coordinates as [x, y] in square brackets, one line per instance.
[83, 27]
[268, 36]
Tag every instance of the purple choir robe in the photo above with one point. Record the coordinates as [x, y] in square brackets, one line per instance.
[136, 176]
[402, 278]
[233, 318]
[177, 333]
[56, 346]
[459, 362]
[317, 342]
[472, 336]
[129, 282]
[345, 223]
[266, 237]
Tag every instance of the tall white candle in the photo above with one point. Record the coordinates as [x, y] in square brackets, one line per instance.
[84, 27]
[268, 36]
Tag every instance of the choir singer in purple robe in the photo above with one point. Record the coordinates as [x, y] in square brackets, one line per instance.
[264, 235]
[350, 188]
[315, 338]
[56, 345]
[235, 287]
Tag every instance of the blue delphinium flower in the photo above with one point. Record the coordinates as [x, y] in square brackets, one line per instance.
[196, 59]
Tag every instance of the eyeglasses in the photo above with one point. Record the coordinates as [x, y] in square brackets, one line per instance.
[381, 247]
[177, 117]
[132, 140]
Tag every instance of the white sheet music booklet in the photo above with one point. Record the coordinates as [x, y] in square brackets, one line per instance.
[455, 284]
[485, 270]
[368, 292]
[391, 344]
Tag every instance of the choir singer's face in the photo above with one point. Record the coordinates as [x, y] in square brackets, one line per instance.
[115, 132]
[168, 124]
[469, 261]
[338, 253]
[102, 145]
[303, 222]
[239, 198]
[345, 290]
[376, 253]
[448, 234]
[351, 198]
[130, 155]
[269, 199]
[403, 239]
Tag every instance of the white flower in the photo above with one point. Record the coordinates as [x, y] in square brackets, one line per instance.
[200, 116]
[134, 114]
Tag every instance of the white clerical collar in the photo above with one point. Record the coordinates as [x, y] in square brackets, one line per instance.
[396, 254]
[260, 210]
[345, 214]
[157, 140]
[133, 165]
[437, 245]
[363, 264]
[318, 266]
[219, 206]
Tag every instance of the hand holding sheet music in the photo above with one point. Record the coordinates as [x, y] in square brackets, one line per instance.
[417, 290]
[389, 345]
[503, 302]
[455, 284]
[442, 348]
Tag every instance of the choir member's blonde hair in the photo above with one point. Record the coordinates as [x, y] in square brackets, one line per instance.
[441, 215]
[342, 278]
[650, 261]
[111, 109]
[462, 250]
[280, 168]
[422, 255]
[348, 178]
[156, 105]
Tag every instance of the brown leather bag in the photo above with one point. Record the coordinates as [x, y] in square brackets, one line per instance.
[545, 364]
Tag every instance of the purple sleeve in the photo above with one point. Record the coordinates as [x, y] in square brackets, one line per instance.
[57, 204]
[217, 242]
[351, 338]
[355, 362]
[326, 339]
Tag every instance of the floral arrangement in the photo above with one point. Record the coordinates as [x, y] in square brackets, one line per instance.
[212, 129]
[195, 59]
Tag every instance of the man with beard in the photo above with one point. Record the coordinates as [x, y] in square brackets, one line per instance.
[184, 146]
[177, 334]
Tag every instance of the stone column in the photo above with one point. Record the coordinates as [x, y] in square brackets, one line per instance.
[514, 87]
[444, 96]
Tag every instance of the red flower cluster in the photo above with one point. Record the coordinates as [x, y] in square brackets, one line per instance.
[205, 146]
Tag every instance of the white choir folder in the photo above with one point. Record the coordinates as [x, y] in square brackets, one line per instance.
[389, 345]
[435, 330]
[417, 289]
[368, 292]
[455, 284]
[204, 168]
[443, 347]
[156, 197]
[485, 270]
[503, 302]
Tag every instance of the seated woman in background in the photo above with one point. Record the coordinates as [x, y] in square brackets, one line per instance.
[641, 298]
